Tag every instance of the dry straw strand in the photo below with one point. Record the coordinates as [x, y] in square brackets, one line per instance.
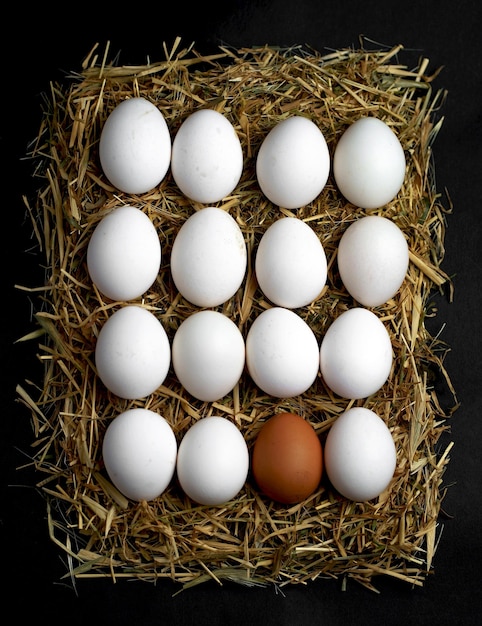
[250, 540]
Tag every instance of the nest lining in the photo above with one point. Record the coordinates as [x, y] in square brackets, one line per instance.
[250, 539]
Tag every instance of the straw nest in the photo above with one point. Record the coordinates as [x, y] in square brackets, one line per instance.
[250, 539]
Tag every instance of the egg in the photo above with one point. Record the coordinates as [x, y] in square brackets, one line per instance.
[290, 263]
[212, 461]
[207, 157]
[282, 354]
[360, 455]
[373, 259]
[287, 458]
[135, 146]
[356, 354]
[293, 162]
[209, 257]
[208, 354]
[139, 451]
[124, 254]
[369, 163]
[132, 352]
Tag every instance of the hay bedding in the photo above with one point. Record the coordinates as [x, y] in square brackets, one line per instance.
[250, 539]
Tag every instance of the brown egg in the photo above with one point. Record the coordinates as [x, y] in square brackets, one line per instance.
[287, 458]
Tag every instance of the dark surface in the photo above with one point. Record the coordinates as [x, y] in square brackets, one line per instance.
[48, 43]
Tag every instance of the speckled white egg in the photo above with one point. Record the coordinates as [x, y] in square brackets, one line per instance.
[212, 461]
[356, 354]
[208, 355]
[132, 352]
[209, 257]
[360, 455]
[290, 264]
[124, 254]
[139, 450]
[135, 146]
[282, 353]
[373, 259]
[293, 162]
[369, 163]
[207, 157]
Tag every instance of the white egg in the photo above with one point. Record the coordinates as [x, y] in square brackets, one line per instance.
[208, 355]
[139, 450]
[207, 157]
[135, 146]
[360, 455]
[124, 254]
[212, 461]
[209, 257]
[290, 263]
[356, 354]
[132, 353]
[373, 259]
[293, 163]
[369, 163]
[282, 354]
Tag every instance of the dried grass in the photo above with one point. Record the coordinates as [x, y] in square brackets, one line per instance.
[250, 540]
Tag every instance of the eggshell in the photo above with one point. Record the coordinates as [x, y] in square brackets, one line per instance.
[124, 254]
[212, 461]
[360, 455]
[356, 354]
[208, 355]
[132, 352]
[293, 162]
[209, 257]
[207, 158]
[135, 146]
[139, 450]
[290, 264]
[282, 354]
[373, 259]
[369, 163]
[287, 458]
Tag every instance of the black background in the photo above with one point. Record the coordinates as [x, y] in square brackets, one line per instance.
[47, 41]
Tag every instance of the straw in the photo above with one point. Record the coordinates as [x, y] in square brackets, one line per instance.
[250, 540]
